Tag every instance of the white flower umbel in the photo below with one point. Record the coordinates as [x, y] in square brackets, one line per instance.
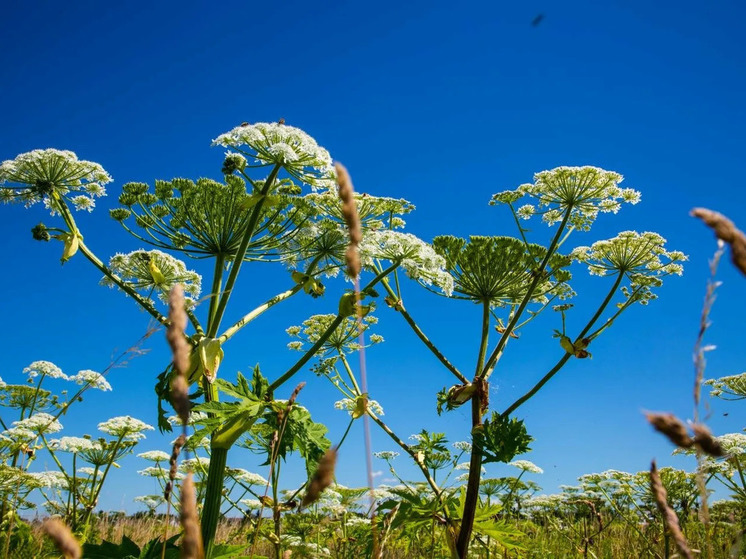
[155, 456]
[463, 446]
[526, 466]
[272, 143]
[48, 174]
[44, 368]
[386, 454]
[92, 379]
[148, 270]
[194, 465]
[125, 427]
[640, 256]
[40, 424]
[246, 477]
[73, 444]
[418, 259]
[150, 501]
[53, 480]
[583, 191]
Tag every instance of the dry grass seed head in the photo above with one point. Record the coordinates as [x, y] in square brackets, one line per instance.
[180, 348]
[63, 538]
[703, 439]
[322, 478]
[173, 463]
[669, 516]
[672, 427]
[352, 219]
[191, 543]
[726, 231]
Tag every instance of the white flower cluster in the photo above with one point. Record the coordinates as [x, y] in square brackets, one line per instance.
[252, 504]
[308, 549]
[150, 501]
[526, 466]
[386, 454]
[44, 368]
[42, 173]
[279, 144]
[350, 405]
[246, 477]
[155, 456]
[418, 259]
[583, 191]
[73, 444]
[640, 256]
[92, 379]
[194, 465]
[154, 269]
[39, 424]
[463, 446]
[125, 427]
[732, 387]
[53, 480]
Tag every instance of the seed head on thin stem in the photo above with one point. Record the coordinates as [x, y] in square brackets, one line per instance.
[322, 478]
[191, 543]
[352, 219]
[180, 348]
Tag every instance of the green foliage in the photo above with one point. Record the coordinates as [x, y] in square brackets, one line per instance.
[127, 549]
[500, 439]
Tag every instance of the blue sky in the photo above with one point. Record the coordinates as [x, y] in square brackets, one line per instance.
[438, 104]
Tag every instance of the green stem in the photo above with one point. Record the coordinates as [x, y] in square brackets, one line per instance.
[538, 273]
[139, 299]
[348, 369]
[213, 498]
[217, 282]
[230, 332]
[475, 463]
[566, 356]
[240, 253]
[421, 335]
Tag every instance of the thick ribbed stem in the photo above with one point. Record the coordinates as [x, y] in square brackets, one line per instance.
[213, 497]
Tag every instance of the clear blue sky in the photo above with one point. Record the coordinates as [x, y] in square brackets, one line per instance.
[439, 104]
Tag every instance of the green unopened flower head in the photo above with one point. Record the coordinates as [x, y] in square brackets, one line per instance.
[499, 269]
[149, 270]
[40, 233]
[583, 191]
[208, 218]
[49, 175]
[271, 143]
[639, 256]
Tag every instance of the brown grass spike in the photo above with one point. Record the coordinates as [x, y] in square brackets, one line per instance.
[322, 478]
[63, 538]
[180, 348]
[191, 543]
[672, 427]
[726, 231]
[669, 516]
[352, 219]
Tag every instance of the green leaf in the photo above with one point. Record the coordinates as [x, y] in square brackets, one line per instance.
[500, 439]
[127, 549]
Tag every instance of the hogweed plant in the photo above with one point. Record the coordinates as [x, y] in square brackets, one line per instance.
[277, 203]
[81, 464]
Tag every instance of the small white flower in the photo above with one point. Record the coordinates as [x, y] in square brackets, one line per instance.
[44, 368]
[155, 456]
[463, 446]
[246, 477]
[91, 378]
[125, 427]
[40, 423]
[386, 454]
[73, 444]
[527, 466]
